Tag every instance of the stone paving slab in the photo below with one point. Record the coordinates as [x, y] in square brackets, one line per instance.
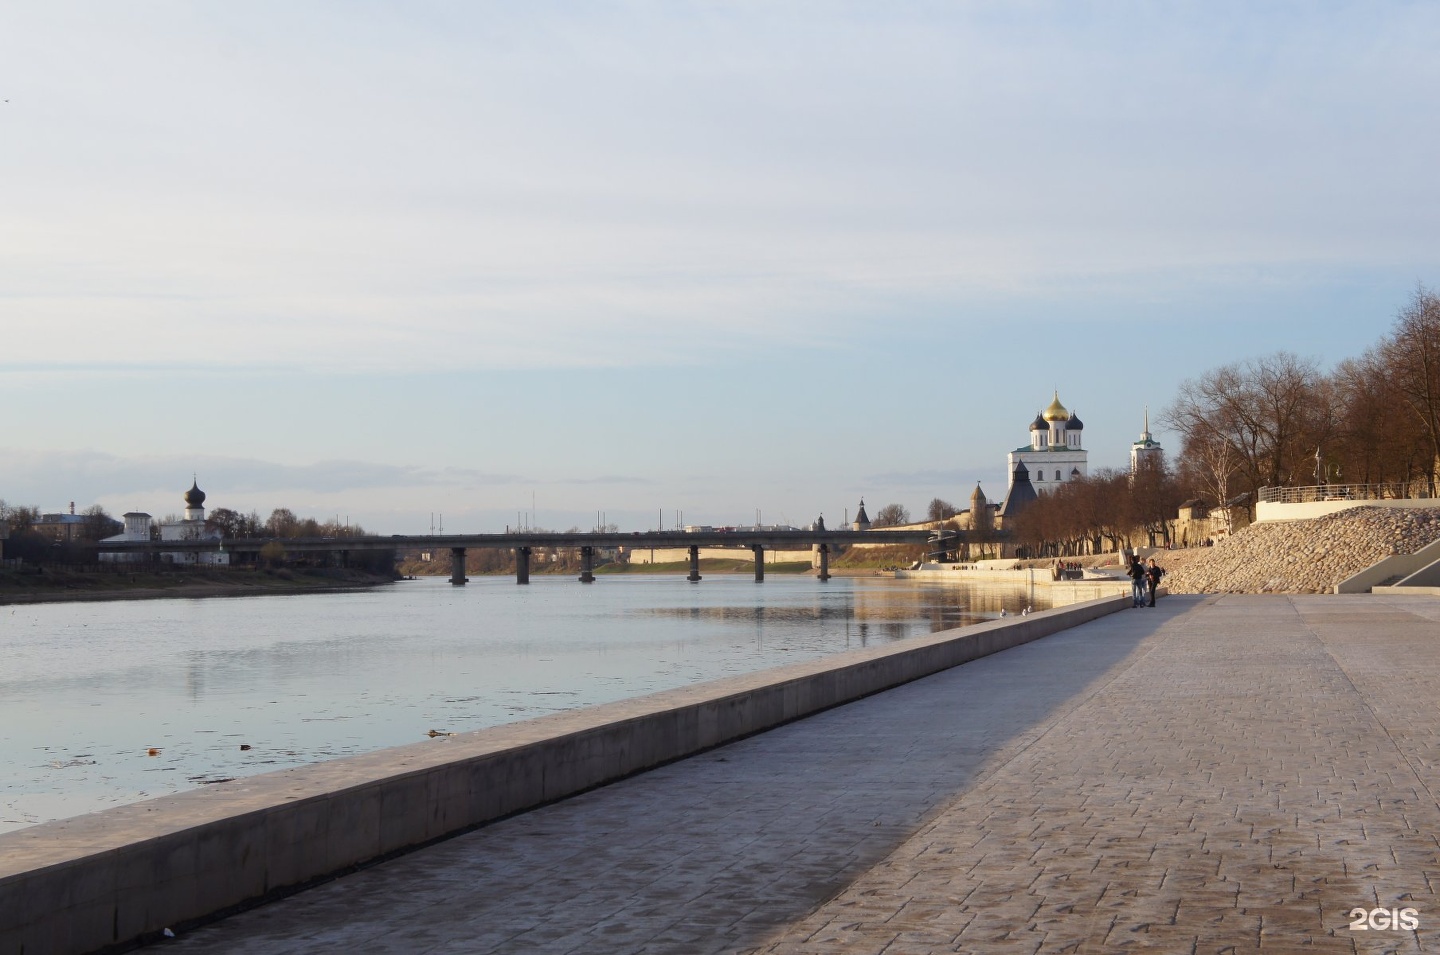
[1230, 774]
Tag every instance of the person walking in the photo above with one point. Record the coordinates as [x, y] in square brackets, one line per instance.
[1137, 579]
[1153, 573]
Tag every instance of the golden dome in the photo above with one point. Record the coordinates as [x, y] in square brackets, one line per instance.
[1056, 411]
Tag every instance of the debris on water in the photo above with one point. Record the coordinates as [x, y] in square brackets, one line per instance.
[244, 747]
[434, 733]
[153, 751]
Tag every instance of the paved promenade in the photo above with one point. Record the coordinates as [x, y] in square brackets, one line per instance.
[1214, 775]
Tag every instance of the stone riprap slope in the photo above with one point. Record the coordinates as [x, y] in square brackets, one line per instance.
[1301, 556]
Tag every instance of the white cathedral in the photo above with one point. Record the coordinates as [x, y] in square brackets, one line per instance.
[1054, 455]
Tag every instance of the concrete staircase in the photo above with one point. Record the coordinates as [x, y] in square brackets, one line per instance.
[1398, 573]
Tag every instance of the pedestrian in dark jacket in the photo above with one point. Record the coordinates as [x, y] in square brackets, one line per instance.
[1153, 573]
[1137, 580]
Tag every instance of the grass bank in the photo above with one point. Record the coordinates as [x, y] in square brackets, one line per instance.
[52, 584]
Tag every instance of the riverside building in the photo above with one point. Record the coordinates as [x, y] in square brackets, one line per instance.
[191, 527]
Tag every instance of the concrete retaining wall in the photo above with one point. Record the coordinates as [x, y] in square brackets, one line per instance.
[114, 877]
[1305, 510]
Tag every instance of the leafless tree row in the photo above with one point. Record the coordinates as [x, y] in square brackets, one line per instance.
[1281, 421]
[1103, 512]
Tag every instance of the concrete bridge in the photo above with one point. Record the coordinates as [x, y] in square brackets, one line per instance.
[523, 544]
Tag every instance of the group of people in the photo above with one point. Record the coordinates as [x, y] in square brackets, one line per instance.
[1144, 578]
[1064, 569]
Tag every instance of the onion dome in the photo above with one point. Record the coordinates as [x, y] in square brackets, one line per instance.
[1074, 424]
[194, 497]
[1039, 424]
[1056, 411]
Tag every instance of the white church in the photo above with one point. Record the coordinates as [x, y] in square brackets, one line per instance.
[1054, 454]
[191, 527]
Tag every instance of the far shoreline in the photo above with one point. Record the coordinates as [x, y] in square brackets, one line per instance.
[75, 587]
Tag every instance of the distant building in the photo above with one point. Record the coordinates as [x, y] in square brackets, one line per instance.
[1146, 453]
[1054, 455]
[60, 527]
[193, 528]
[64, 528]
[862, 520]
[137, 528]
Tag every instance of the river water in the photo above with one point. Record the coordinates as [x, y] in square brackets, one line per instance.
[88, 690]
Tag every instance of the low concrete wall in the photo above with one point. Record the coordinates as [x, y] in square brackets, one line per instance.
[1304, 510]
[1104, 581]
[1396, 567]
[114, 877]
[1408, 591]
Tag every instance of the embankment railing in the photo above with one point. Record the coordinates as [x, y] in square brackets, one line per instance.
[1344, 492]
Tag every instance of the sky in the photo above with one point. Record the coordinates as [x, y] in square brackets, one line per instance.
[479, 264]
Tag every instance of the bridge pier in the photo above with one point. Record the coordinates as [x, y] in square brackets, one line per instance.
[522, 565]
[759, 550]
[694, 577]
[587, 565]
[824, 561]
[457, 565]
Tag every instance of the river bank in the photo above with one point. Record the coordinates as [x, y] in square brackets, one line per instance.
[103, 703]
[55, 585]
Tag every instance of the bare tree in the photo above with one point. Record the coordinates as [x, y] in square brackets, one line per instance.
[1271, 413]
[891, 515]
[282, 523]
[98, 524]
[19, 517]
[1211, 465]
[1155, 498]
[1379, 439]
[229, 523]
[1411, 357]
[940, 510]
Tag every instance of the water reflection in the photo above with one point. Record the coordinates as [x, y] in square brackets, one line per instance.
[228, 688]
